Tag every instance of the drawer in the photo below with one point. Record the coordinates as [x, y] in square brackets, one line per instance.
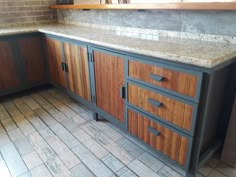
[162, 106]
[163, 139]
[175, 81]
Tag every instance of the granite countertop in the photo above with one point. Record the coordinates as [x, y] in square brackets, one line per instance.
[18, 29]
[193, 52]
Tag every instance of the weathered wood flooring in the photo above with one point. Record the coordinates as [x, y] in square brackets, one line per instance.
[45, 133]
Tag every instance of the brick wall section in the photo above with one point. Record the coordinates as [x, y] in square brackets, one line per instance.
[26, 11]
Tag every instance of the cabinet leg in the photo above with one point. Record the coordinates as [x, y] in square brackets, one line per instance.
[191, 174]
[95, 116]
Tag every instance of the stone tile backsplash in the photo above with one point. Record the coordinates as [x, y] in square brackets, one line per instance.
[213, 26]
[207, 22]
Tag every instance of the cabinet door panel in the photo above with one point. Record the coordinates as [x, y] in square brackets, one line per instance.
[54, 57]
[109, 78]
[78, 70]
[8, 71]
[32, 54]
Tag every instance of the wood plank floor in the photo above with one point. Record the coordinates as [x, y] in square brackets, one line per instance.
[45, 133]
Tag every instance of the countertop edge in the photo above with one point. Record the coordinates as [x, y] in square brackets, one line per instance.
[208, 65]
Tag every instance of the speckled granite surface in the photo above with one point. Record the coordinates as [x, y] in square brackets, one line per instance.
[194, 52]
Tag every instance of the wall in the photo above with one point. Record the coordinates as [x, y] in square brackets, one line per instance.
[206, 22]
[25, 11]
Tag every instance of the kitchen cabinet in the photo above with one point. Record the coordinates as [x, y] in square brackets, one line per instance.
[22, 63]
[76, 59]
[68, 67]
[9, 76]
[109, 83]
[162, 104]
[175, 109]
[32, 58]
[53, 49]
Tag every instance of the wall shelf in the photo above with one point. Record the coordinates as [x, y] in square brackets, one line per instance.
[159, 6]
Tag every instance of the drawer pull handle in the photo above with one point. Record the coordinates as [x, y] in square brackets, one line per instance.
[153, 131]
[155, 103]
[157, 78]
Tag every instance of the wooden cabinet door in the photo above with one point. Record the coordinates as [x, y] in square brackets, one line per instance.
[109, 79]
[9, 78]
[32, 55]
[54, 56]
[78, 70]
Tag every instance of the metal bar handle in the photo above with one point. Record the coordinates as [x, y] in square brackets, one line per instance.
[122, 92]
[155, 103]
[66, 67]
[157, 78]
[62, 66]
[154, 131]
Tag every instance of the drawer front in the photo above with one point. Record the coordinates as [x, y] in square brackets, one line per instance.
[163, 139]
[179, 82]
[166, 108]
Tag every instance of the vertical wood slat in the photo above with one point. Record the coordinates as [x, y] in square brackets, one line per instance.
[179, 82]
[32, 55]
[170, 143]
[8, 72]
[171, 110]
[109, 78]
[78, 70]
[54, 57]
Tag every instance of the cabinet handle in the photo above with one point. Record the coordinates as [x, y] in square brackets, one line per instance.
[155, 103]
[122, 92]
[66, 67]
[90, 56]
[62, 66]
[157, 78]
[154, 131]
[93, 99]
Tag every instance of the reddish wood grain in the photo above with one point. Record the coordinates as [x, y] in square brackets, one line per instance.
[78, 70]
[156, 6]
[174, 111]
[32, 54]
[54, 57]
[9, 78]
[170, 143]
[179, 82]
